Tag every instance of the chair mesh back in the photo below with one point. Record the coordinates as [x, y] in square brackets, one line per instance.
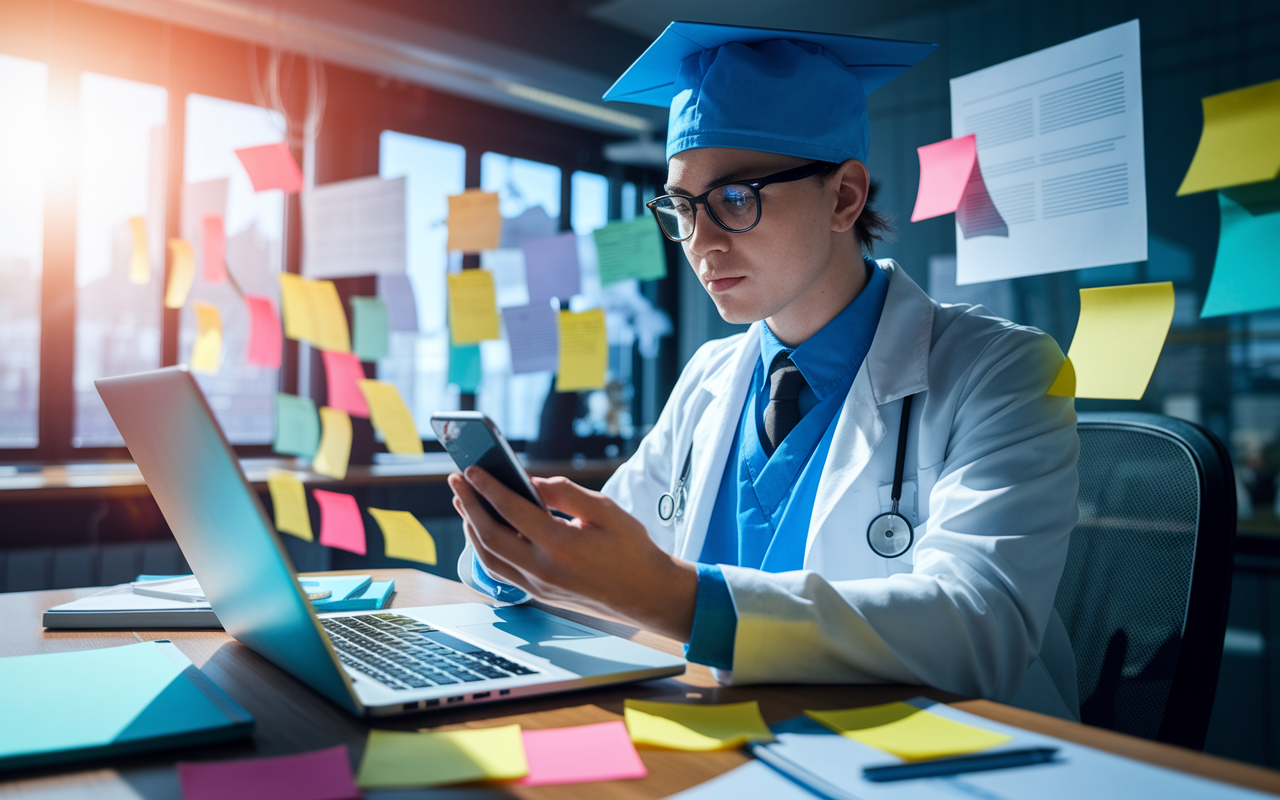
[1125, 590]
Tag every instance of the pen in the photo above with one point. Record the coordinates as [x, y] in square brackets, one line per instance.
[954, 766]
[798, 774]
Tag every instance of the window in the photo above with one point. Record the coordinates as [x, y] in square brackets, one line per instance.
[589, 205]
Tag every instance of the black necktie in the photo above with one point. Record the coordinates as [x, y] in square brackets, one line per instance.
[783, 411]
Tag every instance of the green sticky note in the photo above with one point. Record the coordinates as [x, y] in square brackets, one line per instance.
[1246, 272]
[464, 366]
[630, 250]
[372, 326]
[297, 426]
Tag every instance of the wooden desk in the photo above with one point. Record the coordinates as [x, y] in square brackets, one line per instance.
[292, 718]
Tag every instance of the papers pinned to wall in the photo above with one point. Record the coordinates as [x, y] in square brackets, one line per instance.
[402, 310]
[341, 524]
[354, 227]
[551, 267]
[630, 249]
[404, 537]
[534, 337]
[465, 366]
[265, 340]
[584, 351]
[1245, 275]
[511, 287]
[372, 323]
[271, 166]
[313, 313]
[335, 444]
[343, 373]
[289, 504]
[473, 310]
[392, 417]
[951, 183]
[474, 221]
[1240, 142]
[297, 426]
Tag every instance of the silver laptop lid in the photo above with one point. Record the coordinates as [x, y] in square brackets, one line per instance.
[221, 526]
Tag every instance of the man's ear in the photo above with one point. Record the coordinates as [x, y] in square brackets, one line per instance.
[852, 182]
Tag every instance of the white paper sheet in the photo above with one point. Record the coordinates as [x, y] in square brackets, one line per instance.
[354, 227]
[1061, 151]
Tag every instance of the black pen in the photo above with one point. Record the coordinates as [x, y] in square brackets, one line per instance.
[955, 766]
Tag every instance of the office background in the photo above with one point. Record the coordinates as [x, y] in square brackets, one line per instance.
[115, 103]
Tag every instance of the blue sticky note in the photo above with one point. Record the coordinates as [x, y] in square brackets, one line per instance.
[1245, 277]
[372, 328]
[464, 366]
[297, 426]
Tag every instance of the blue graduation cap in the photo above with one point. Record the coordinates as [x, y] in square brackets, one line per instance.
[789, 92]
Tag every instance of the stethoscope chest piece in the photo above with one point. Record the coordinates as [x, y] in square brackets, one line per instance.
[890, 535]
[666, 507]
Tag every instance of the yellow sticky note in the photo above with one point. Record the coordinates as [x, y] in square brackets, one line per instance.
[473, 307]
[908, 732]
[140, 263]
[584, 351]
[389, 414]
[182, 273]
[206, 354]
[397, 759]
[474, 221]
[335, 443]
[295, 306]
[289, 501]
[1240, 142]
[404, 536]
[1117, 342]
[690, 726]
[329, 331]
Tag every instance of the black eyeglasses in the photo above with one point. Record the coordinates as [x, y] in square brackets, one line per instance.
[733, 206]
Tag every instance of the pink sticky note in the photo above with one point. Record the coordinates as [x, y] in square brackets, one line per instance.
[271, 166]
[343, 374]
[265, 337]
[340, 522]
[215, 249]
[320, 775]
[585, 753]
[945, 168]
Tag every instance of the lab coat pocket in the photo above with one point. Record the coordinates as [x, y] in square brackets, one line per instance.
[907, 508]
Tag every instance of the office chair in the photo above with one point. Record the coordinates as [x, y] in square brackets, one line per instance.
[1148, 577]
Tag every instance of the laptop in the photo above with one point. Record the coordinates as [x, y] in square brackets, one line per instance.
[370, 663]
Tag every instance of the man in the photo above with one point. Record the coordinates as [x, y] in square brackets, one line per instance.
[785, 517]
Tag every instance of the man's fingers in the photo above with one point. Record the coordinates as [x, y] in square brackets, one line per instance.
[488, 532]
[519, 513]
[564, 495]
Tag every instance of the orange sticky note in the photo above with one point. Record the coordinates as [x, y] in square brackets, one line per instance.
[343, 373]
[341, 525]
[182, 273]
[206, 354]
[390, 415]
[140, 263]
[335, 444]
[474, 221]
[265, 340]
[215, 249]
[271, 166]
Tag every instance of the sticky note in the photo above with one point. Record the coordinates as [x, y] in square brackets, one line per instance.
[534, 336]
[630, 250]
[908, 732]
[584, 351]
[390, 415]
[318, 775]
[397, 292]
[473, 309]
[206, 353]
[329, 322]
[474, 221]
[581, 754]
[951, 182]
[342, 374]
[438, 758]
[404, 537]
[297, 427]
[335, 444]
[551, 267]
[372, 323]
[265, 339]
[271, 166]
[1245, 277]
[295, 305]
[289, 503]
[182, 273]
[1240, 142]
[692, 726]
[140, 261]
[465, 367]
[341, 524]
[215, 249]
[1117, 342]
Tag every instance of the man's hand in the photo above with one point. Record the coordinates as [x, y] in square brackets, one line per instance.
[603, 558]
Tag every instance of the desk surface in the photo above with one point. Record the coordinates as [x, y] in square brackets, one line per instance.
[291, 718]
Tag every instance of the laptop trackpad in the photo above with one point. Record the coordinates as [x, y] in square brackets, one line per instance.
[567, 646]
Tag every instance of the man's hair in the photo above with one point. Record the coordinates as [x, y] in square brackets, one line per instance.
[872, 226]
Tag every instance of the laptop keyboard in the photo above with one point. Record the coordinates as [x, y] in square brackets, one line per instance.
[405, 653]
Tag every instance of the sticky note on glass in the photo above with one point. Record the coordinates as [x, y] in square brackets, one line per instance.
[551, 267]
[215, 249]
[335, 444]
[372, 324]
[271, 166]
[297, 427]
[182, 273]
[206, 353]
[473, 309]
[341, 524]
[474, 221]
[1117, 342]
[342, 375]
[140, 261]
[397, 292]
[289, 503]
[329, 323]
[692, 726]
[630, 250]
[534, 336]
[908, 732]
[265, 339]
[318, 775]
[581, 754]
[1245, 277]
[584, 351]
[396, 759]
[390, 415]
[404, 537]
[1240, 142]
[465, 367]
[295, 305]
[951, 182]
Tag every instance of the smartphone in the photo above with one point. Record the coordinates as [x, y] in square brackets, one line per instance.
[472, 439]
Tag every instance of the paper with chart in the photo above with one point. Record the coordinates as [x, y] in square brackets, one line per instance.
[1059, 136]
[354, 227]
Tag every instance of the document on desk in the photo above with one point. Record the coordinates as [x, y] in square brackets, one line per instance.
[1059, 136]
[354, 227]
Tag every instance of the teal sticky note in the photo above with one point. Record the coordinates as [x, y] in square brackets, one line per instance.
[297, 426]
[464, 366]
[630, 250]
[1246, 272]
[372, 326]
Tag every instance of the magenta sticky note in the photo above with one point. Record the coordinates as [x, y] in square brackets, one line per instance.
[320, 775]
[215, 249]
[265, 337]
[271, 166]
[341, 525]
[945, 169]
[582, 754]
[343, 373]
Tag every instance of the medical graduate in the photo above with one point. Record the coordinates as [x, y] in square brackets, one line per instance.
[865, 487]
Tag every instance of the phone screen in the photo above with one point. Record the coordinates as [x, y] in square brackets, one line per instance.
[473, 440]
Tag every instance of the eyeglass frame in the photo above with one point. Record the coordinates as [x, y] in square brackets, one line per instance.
[785, 176]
